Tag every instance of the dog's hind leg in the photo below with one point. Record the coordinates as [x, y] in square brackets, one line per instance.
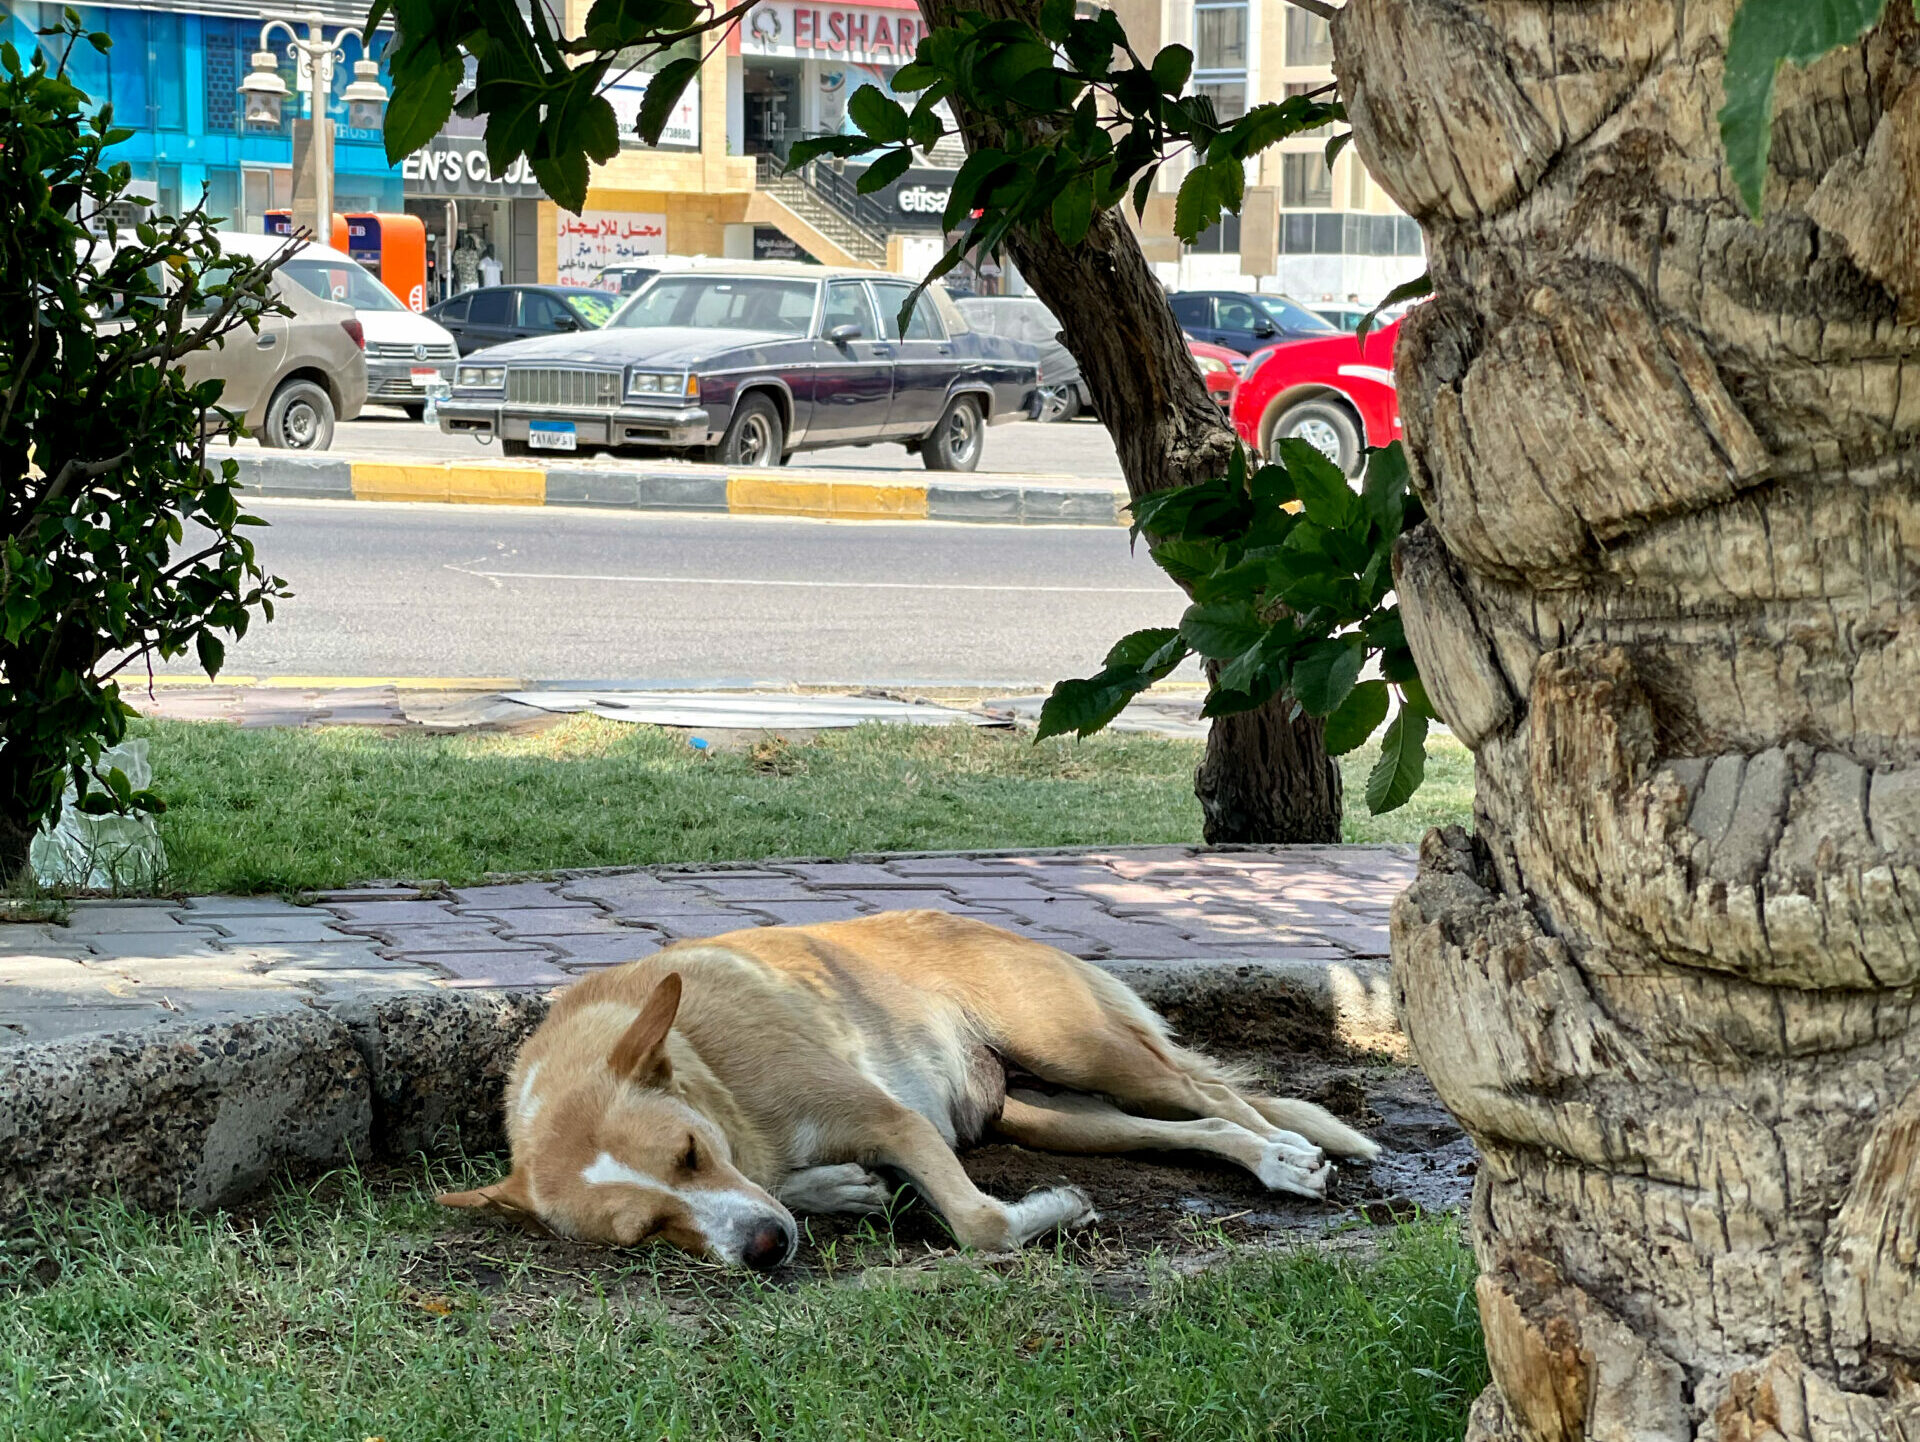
[908, 1141]
[1086, 1124]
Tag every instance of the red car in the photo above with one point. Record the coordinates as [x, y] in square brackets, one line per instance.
[1220, 368]
[1333, 392]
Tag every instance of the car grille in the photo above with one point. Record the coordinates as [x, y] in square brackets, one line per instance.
[404, 351]
[562, 388]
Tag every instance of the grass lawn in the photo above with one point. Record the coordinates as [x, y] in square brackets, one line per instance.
[340, 1312]
[280, 810]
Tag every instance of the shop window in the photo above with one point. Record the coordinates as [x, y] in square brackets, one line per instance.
[1220, 37]
[223, 199]
[1221, 238]
[1305, 181]
[1309, 39]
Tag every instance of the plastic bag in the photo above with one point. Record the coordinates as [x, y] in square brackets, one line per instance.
[103, 853]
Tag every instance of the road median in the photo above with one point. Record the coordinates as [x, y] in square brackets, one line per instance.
[1006, 500]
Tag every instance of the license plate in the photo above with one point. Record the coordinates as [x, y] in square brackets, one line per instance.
[550, 435]
[425, 377]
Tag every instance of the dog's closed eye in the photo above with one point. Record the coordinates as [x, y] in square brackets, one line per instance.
[691, 1161]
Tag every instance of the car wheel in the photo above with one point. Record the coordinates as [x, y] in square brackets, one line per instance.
[415, 413]
[958, 439]
[754, 436]
[1325, 425]
[299, 418]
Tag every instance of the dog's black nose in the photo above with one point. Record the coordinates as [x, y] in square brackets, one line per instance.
[767, 1247]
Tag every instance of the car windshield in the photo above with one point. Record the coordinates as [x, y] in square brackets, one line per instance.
[592, 307]
[1290, 315]
[724, 302]
[346, 281]
[1026, 320]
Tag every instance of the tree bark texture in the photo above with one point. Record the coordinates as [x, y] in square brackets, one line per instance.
[1667, 594]
[1169, 432]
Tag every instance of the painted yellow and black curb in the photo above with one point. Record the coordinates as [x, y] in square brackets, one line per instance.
[828, 495]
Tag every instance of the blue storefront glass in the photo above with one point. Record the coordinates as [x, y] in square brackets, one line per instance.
[172, 78]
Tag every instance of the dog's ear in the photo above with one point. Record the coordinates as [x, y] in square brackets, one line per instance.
[510, 1196]
[640, 1055]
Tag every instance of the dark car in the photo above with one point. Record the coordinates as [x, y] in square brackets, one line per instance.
[1244, 320]
[747, 365]
[1023, 318]
[495, 314]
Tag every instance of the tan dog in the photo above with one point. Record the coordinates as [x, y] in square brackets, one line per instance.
[705, 1094]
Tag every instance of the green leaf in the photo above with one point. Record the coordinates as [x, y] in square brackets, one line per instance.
[1171, 67]
[879, 116]
[664, 90]
[1421, 284]
[1084, 706]
[213, 655]
[1324, 673]
[1197, 206]
[1140, 647]
[1056, 20]
[1384, 491]
[419, 108]
[1073, 210]
[1221, 630]
[1402, 765]
[1325, 493]
[1356, 718]
[1764, 35]
[884, 171]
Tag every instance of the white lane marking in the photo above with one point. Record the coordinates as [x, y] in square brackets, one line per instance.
[808, 585]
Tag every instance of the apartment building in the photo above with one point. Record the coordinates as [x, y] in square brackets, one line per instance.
[1319, 234]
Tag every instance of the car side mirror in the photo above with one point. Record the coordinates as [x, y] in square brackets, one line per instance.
[841, 334]
[1263, 326]
[565, 322]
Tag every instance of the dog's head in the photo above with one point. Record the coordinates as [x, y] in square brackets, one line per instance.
[619, 1155]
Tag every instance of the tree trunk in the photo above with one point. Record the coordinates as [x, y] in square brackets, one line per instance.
[1169, 432]
[1666, 595]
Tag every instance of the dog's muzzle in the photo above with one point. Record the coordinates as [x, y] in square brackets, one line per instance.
[768, 1246]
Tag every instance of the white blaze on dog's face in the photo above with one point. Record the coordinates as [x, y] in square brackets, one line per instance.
[620, 1158]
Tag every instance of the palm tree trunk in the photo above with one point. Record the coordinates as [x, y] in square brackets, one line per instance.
[1666, 593]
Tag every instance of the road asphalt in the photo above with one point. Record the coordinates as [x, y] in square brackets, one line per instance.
[556, 594]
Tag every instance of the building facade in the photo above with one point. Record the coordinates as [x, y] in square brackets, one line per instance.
[1317, 233]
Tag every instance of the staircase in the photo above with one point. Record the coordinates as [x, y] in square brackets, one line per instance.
[819, 225]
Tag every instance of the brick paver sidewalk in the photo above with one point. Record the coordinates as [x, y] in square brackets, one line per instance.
[122, 965]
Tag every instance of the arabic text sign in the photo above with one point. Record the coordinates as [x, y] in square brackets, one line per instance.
[867, 35]
[595, 239]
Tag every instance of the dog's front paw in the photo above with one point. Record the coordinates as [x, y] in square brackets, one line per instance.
[1045, 1210]
[1285, 1168]
[847, 1188]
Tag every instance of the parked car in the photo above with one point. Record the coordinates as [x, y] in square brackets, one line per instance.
[1244, 321]
[1335, 393]
[496, 314]
[626, 279]
[1220, 368]
[749, 366]
[406, 352]
[1027, 319]
[299, 374]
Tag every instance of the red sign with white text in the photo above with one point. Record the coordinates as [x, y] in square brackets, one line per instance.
[864, 34]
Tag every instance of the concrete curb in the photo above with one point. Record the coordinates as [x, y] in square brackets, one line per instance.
[832, 495]
[205, 1115]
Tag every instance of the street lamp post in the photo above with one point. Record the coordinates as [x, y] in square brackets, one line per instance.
[264, 92]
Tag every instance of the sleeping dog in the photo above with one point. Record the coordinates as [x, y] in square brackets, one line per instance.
[704, 1095]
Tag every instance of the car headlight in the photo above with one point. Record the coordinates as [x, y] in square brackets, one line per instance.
[1213, 366]
[674, 385]
[486, 378]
